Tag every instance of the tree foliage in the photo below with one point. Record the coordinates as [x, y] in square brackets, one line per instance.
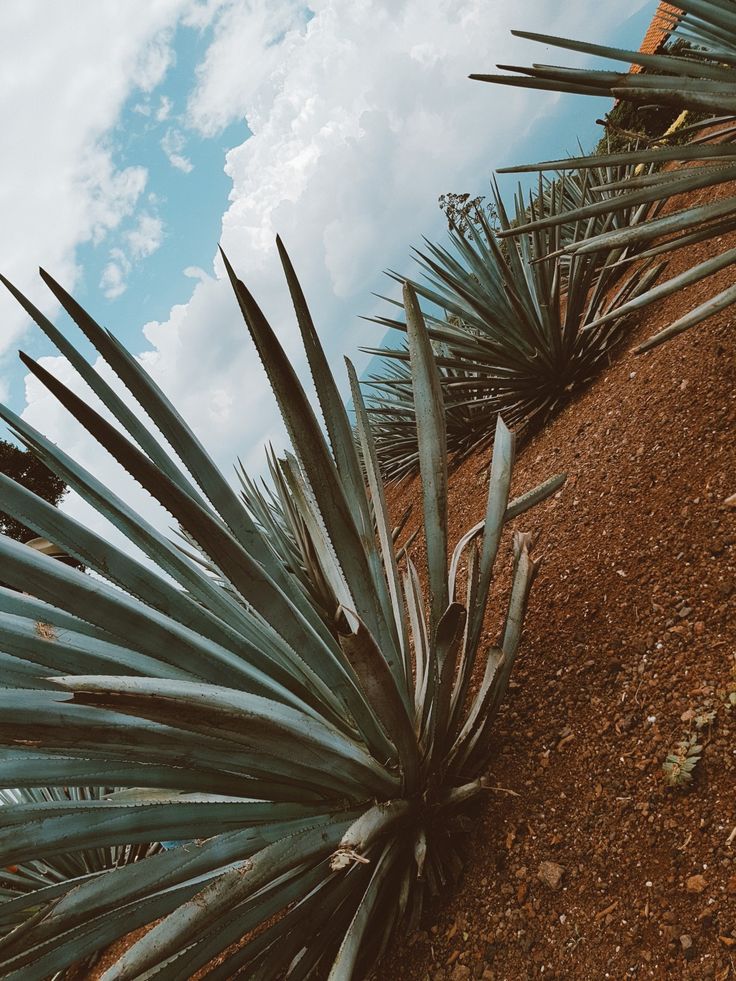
[26, 469]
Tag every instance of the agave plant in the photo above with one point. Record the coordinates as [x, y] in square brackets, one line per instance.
[700, 78]
[286, 514]
[391, 409]
[52, 875]
[311, 769]
[516, 336]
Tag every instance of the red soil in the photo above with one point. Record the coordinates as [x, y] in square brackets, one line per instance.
[630, 633]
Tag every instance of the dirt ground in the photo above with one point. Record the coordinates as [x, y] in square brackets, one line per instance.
[629, 646]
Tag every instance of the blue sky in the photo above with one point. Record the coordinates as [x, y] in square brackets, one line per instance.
[185, 123]
[190, 204]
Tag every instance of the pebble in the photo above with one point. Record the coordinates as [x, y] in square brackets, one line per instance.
[550, 873]
[460, 972]
[696, 884]
[686, 942]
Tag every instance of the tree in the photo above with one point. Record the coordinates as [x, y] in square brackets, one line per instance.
[23, 467]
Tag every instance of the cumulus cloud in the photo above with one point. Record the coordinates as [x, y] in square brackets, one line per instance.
[361, 115]
[172, 144]
[139, 242]
[164, 109]
[250, 43]
[112, 281]
[65, 81]
[146, 237]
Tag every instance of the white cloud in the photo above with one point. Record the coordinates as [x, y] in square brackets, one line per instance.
[172, 144]
[112, 282]
[154, 59]
[65, 80]
[360, 118]
[146, 237]
[164, 109]
[195, 272]
[136, 243]
[252, 40]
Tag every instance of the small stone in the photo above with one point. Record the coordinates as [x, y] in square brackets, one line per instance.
[460, 972]
[730, 501]
[696, 884]
[686, 942]
[705, 919]
[550, 873]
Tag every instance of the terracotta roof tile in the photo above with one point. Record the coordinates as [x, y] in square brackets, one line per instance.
[659, 30]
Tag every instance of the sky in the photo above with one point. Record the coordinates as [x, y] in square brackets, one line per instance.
[139, 135]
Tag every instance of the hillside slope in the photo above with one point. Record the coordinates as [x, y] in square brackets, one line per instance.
[630, 634]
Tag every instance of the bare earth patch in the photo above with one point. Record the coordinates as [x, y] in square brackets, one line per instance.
[630, 639]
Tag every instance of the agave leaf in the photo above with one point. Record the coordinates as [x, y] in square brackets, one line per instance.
[383, 693]
[175, 430]
[385, 537]
[420, 639]
[293, 895]
[714, 305]
[685, 219]
[139, 532]
[447, 646]
[238, 716]
[668, 63]
[119, 615]
[52, 649]
[432, 443]
[104, 392]
[333, 409]
[693, 275]
[317, 464]
[28, 769]
[36, 831]
[22, 605]
[718, 151]
[110, 562]
[193, 918]
[57, 953]
[304, 503]
[499, 487]
[704, 80]
[344, 964]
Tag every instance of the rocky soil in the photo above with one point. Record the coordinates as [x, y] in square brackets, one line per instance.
[587, 865]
